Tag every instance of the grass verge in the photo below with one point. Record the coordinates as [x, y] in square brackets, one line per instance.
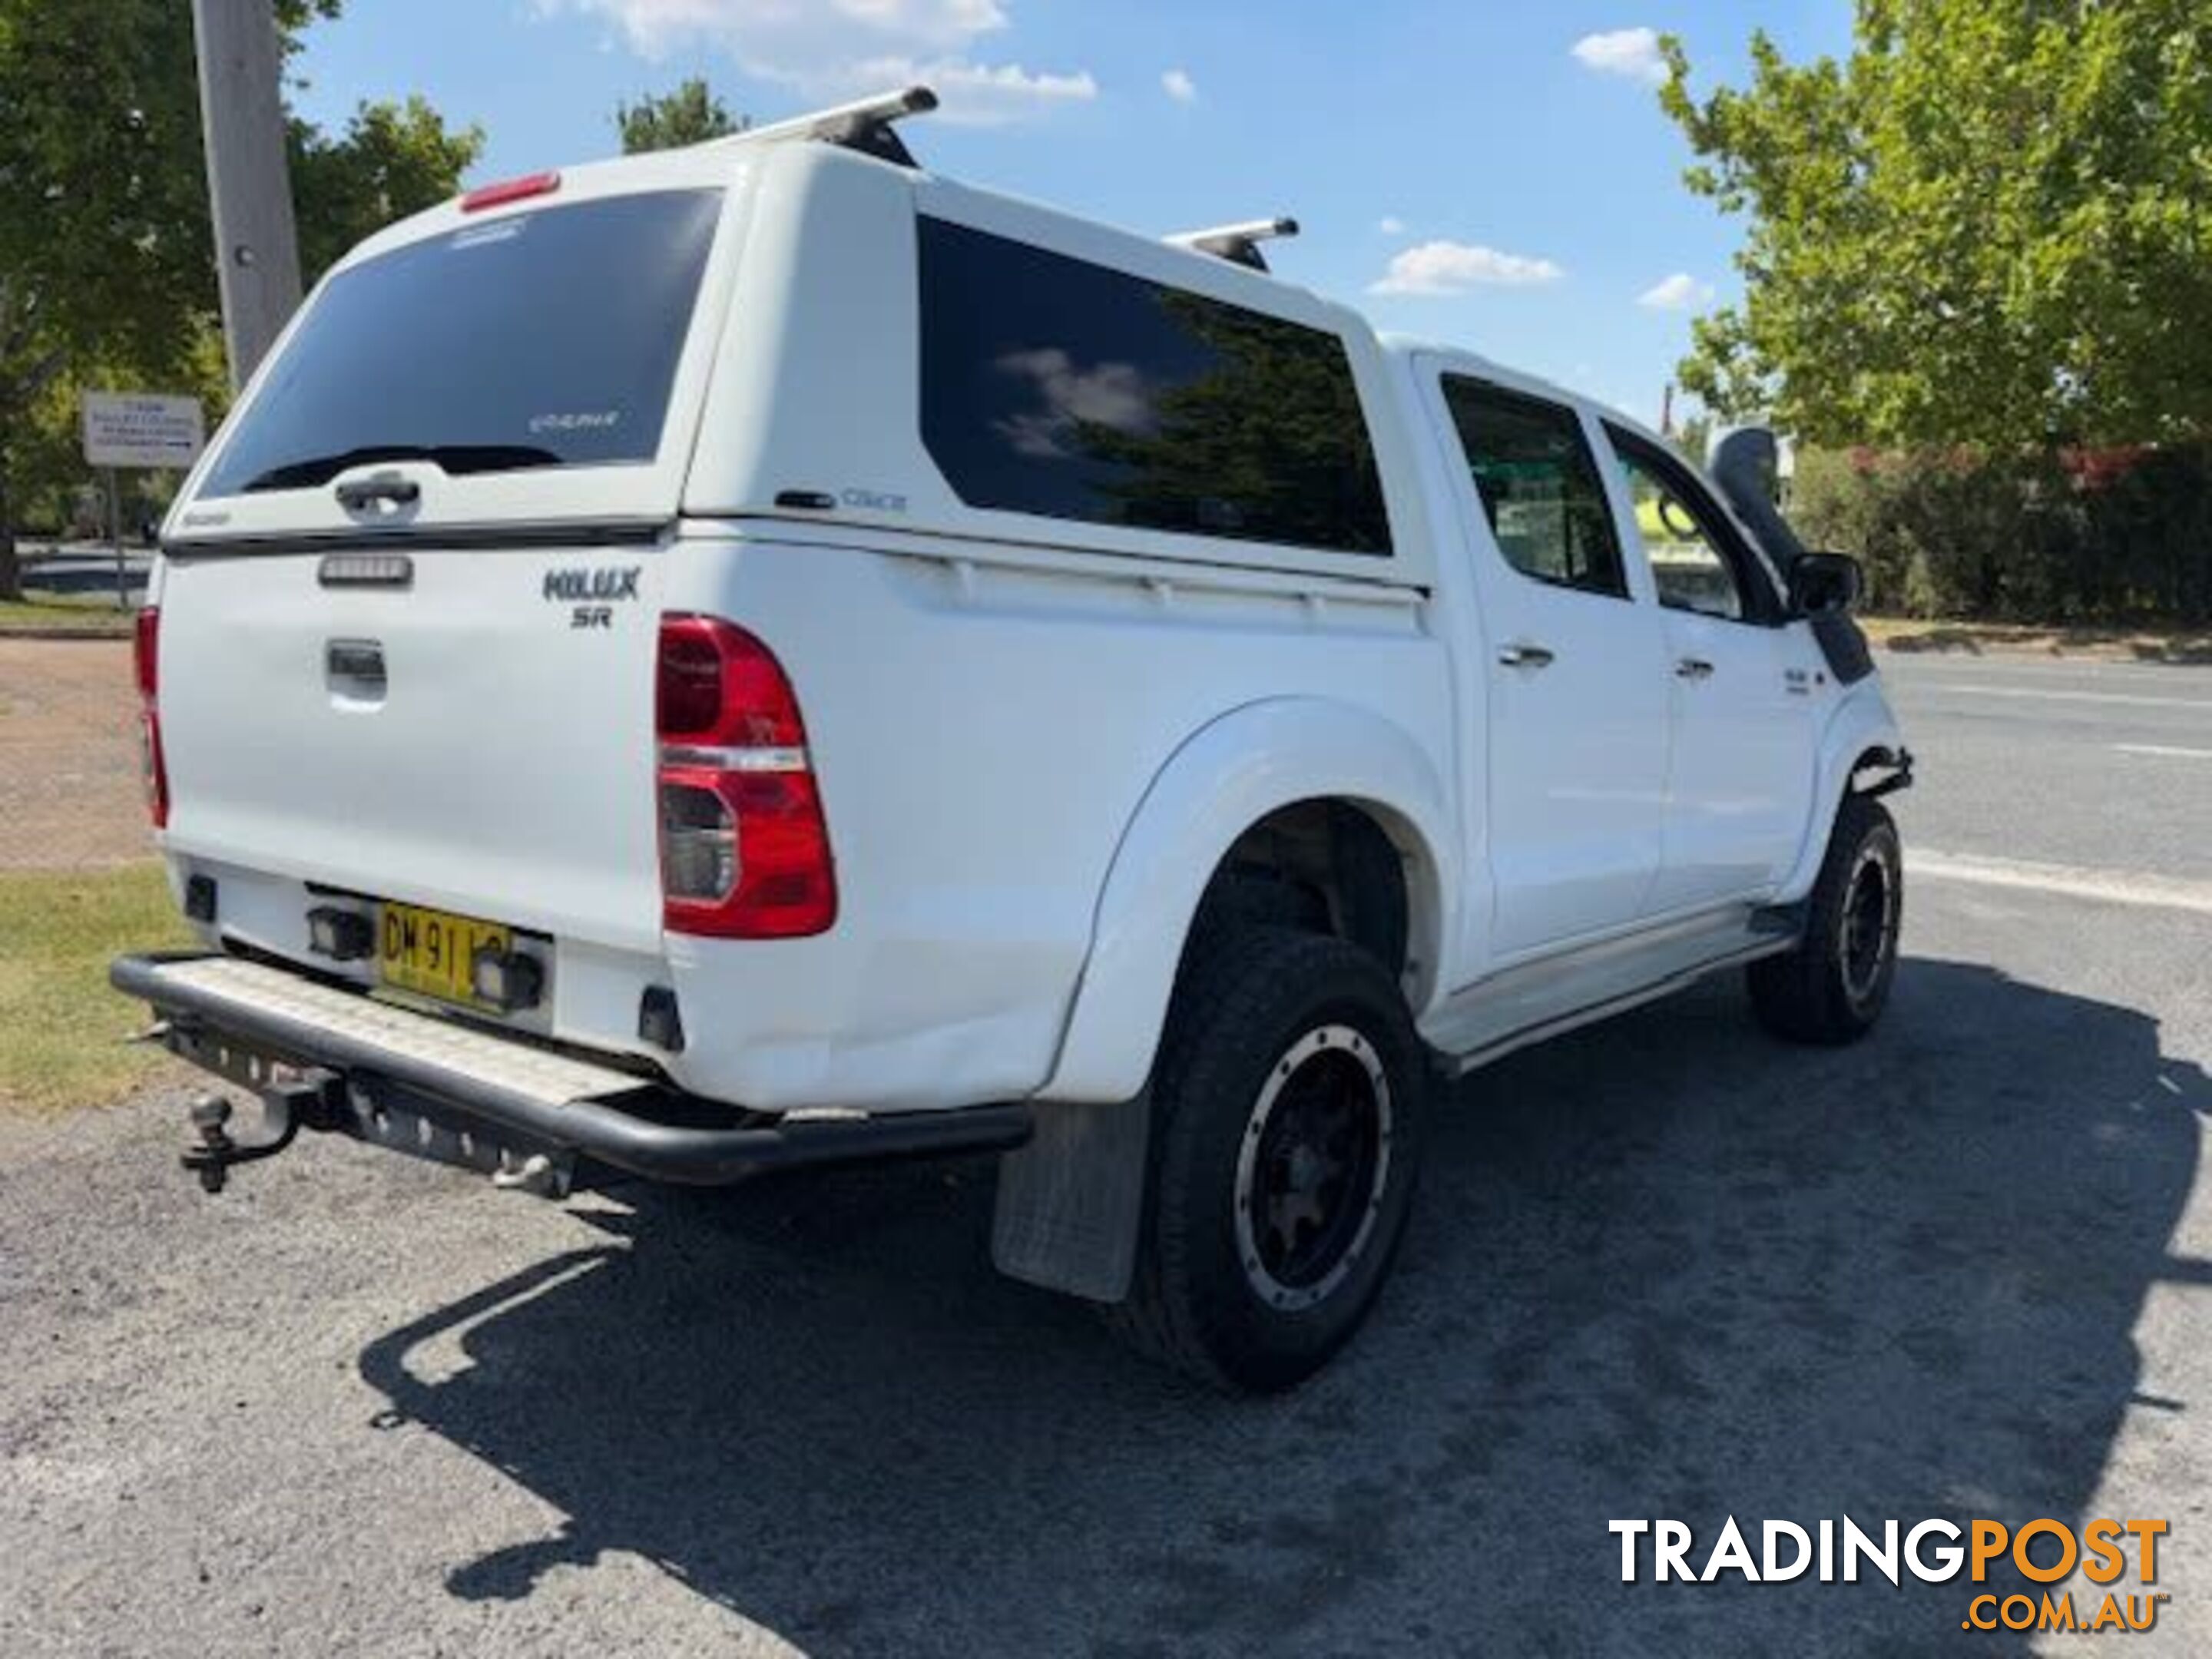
[48, 614]
[1912, 636]
[61, 1027]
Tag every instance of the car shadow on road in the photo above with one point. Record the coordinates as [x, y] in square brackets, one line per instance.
[1661, 1269]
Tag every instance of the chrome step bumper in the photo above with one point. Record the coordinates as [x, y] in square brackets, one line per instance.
[457, 1088]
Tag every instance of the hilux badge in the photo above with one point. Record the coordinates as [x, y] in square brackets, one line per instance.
[592, 593]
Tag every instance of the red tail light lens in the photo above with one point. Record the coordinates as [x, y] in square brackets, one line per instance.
[146, 666]
[146, 652]
[744, 852]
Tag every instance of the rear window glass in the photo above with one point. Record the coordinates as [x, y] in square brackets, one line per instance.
[540, 339]
[1054, 387]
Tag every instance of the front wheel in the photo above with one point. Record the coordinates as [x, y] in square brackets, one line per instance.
[1831, 988]
[1287, 1105]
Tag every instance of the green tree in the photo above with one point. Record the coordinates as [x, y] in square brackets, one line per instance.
[107, 264]
[393, 160]
[690, 115]
[1275, 426]
[1991, 223]
[1693, 436]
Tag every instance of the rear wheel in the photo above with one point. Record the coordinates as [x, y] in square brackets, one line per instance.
[1286, 1109]
[1833, 987]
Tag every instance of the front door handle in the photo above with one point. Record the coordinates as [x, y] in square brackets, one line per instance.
[1525, 655]
[1693, 668]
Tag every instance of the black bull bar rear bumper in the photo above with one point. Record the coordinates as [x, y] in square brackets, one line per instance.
[324, 1057]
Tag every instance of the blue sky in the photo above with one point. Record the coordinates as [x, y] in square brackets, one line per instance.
[1495, 174]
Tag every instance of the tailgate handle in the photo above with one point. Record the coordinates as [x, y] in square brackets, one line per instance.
[356, 666]
[359, 495]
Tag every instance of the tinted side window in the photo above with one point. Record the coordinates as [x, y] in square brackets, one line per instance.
[1698, 562]
[1686, 567]
[1539, 486]
[1058, 387]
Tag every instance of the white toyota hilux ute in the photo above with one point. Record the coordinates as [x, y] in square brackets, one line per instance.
[759, 655]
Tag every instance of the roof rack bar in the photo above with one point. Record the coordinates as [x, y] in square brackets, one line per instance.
[1239, 244]
[863, 125]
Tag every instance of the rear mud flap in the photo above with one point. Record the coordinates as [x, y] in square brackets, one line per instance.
[1071, 1203]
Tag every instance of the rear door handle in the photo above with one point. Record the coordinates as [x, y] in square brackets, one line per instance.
[1693, 668]
[1525, 655]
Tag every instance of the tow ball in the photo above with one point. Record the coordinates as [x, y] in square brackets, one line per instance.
[311, 1101]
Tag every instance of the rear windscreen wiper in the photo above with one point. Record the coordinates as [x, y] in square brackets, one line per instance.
[455, 459]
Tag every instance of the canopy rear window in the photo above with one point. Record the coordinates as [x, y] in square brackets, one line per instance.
[543, 339]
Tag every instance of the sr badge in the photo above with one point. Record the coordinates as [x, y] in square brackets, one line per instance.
[593, 593]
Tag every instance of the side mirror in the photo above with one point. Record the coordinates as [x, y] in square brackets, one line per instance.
[1822, 582]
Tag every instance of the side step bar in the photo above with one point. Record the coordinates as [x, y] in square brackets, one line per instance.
[370, 1061]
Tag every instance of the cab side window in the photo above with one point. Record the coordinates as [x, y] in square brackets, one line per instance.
[1697, 562]
[1539, 486]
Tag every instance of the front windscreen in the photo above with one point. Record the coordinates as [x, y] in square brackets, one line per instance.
[542, 339]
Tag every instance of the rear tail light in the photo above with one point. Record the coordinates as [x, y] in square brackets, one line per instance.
[145, 664]
[744, 853]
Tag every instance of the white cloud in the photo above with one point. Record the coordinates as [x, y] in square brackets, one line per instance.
[1391, 225]
[1632, 52]
[1455, 267]
[1113, 394]
[1680, 292]
[829, 50]
[974, 94]
[1179, 85]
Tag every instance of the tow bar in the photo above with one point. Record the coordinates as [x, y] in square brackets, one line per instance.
[314, 1101]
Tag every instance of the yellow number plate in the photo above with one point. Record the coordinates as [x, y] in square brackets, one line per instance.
[430, 951]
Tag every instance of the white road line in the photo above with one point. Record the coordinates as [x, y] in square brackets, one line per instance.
[2040, 695]
[2165, 748]
[2067, 880]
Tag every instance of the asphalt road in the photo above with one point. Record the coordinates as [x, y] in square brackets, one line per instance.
[2095, 765]
[1666, 1268]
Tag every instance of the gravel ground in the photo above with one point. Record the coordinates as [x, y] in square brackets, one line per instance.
[70, 792]
[1664, 1268]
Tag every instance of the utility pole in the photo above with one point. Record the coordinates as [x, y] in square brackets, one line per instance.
[249, 188]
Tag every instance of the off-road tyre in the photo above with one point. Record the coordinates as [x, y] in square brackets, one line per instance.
[1831, 988]
[1280, 1045]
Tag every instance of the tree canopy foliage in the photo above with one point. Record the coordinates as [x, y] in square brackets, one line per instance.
[392, 161]
[690, 115]
[1990, 224]
[106, 262]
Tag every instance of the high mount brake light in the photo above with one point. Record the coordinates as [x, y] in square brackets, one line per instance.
[146, 668]
[744, 853]
[510, 190]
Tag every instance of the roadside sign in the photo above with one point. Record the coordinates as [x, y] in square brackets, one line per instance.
[138, 428]
[142, 428]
